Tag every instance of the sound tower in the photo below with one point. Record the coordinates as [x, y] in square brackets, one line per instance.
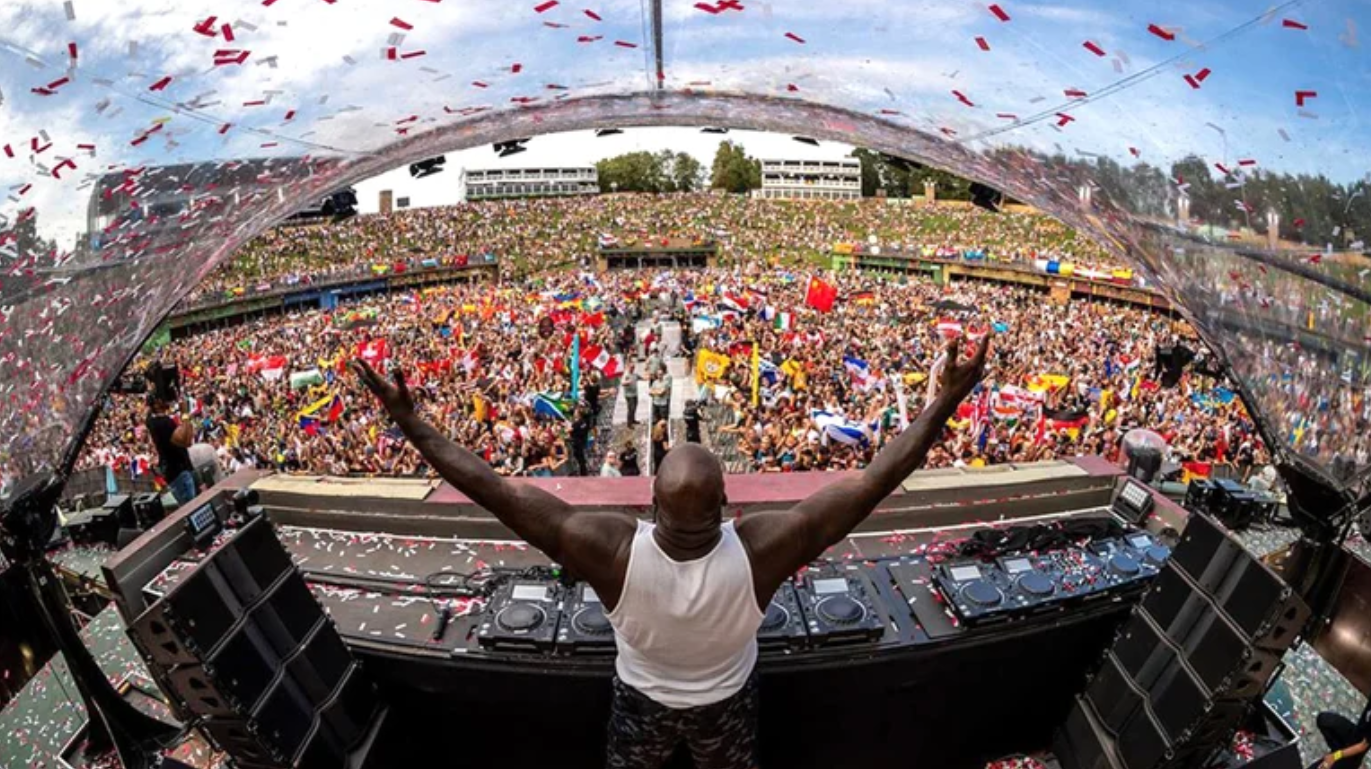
[1197, 652]
[246, 652]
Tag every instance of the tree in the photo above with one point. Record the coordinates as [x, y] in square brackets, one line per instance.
[686, 173]
[733, 170]
[634, 172]
[27, 240]
[871, 171]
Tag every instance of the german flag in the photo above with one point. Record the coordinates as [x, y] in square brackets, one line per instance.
[866, 298]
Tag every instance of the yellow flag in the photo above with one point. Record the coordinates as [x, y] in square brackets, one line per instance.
[479, 407]
[312, 408]
[756, 375]
[710, 366]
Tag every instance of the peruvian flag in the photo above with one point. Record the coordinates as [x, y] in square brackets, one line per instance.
[948, 328]
[820, 295]
[609, 365]
[374, 351]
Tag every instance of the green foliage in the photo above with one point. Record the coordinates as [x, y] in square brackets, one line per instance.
[665, 171]
[733, 170]
[903, 180]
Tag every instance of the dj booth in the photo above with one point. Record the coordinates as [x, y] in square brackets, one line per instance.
[956, 625]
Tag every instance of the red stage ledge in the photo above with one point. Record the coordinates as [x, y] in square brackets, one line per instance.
[756, 488]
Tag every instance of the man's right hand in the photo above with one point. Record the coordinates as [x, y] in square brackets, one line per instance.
[395, 397]
[960, 377]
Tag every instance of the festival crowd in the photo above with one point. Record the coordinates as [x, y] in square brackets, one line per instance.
[842, 361]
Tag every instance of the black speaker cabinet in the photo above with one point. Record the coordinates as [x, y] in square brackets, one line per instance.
[1081, 742]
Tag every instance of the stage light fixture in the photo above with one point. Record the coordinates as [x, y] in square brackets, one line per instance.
[603, 132]
[426, 168]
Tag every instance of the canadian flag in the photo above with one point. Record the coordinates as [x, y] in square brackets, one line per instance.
[609, 365]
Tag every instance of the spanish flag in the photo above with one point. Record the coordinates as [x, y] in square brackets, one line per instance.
[710, 366]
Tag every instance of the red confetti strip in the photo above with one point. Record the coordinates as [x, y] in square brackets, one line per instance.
[479, 84]
[890, 112]
[1202, 74]
[961, 97]
[88, 147]
[71, 50]
[160, 85]
[1247, 162]
[1301, 96]
[625, 44]
[1292, 24]
[1192, 81]
[1162, 33]
[413, 54]
[392, 53]
[226, 57]
[592, 14]
[1075, 93]
[1091, 47]
[516, 68]
[1007, 115]
[9, 151]
[1313, 258]
[206, 27]
[257, 103]
[555, 87]
[68, 163]
[1134, 152]
[707, 8]
[223, 129]
[545, 7]
[555, 25]
[1063, 119]
[999, 13]
[1299, 222]
[228, 33]
[984, 46]
[1222, 169]
[401, 23]
[589, 38]
[268, 145]
[792, 88]
[290, 115]
[948, 131]
[795, 37]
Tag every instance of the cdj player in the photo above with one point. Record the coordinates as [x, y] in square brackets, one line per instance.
[838, 609]
[585, 629]
[783, 627]
[522, 616]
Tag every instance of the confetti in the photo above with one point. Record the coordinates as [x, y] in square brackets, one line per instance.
[982, 44]
[206, 27]
[1302, 96]
[593, 15]
[625, 44]
[1093, 48]
[999, 13]
[161, 85]
[1075, 93]
[1292, 24]
[227, 31]
[795, 37]
[545, 7]
[70, 10]
[1006, 115]
[516, 68]
[1283, 134]
[401, 24]
[1134, 152]
[1063, 119]
[589, 38]
[1164, 34]
[961, 97]
[71, 51]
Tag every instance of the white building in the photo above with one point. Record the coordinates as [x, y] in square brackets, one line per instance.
[811, 179]
[529, 182]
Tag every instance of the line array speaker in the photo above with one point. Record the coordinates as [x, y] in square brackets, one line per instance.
[1195, 655]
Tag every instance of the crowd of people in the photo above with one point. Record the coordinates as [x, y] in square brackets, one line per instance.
[534, 235]
[493, 365]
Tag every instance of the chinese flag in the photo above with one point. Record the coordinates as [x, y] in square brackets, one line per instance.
[820, 295]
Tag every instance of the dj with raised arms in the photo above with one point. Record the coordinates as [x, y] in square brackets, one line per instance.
[686, 593]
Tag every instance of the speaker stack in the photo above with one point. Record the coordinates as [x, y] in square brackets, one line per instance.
[246, 652]
[1194, 657]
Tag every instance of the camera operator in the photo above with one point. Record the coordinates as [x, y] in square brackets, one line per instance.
[173, 438]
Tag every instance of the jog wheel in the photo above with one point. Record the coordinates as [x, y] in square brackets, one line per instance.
[841, 610]
[1156, 555]
[776, 617]
[592, 621]
[982, 593]
[520, 618]
[1123, 565]
[1035, 583]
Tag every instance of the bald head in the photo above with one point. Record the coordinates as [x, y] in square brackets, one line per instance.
[689, 489]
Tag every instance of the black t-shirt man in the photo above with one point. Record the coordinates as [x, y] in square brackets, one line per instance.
[173, 459]
[1347, 740]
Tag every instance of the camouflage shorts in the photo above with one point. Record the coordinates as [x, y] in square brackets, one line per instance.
[643, 733]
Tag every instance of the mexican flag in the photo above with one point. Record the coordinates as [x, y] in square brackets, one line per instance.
[784, 321]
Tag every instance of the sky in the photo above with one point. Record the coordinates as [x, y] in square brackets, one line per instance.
[123, 85]
[583, 148]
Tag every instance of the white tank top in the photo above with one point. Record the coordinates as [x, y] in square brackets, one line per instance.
[687, 630]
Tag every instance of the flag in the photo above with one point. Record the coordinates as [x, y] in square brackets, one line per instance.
[1039, 383]
[948, 328]
[335, 408]
[756, 376]
[548, 405]
[784, 321]
[302, 379]
[820, 295]
[1070, 420]
[374, 351]
[269, 367]
[863, 298]
[839, 428]
[609, 365]
[702, 323]
[479, 409]
[576, 368]
[710, 366]
[860, 372]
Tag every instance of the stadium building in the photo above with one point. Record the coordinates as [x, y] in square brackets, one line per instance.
[529, 182]
[811, 179]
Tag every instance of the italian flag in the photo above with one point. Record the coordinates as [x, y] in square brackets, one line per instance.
[784, 321]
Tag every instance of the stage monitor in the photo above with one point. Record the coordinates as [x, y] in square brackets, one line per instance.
[1133, 503]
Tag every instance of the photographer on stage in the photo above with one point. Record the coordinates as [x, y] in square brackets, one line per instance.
[173, 438]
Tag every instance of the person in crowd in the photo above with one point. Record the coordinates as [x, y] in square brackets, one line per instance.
[629, 384]
[172, 439]
[1347, 740]
[611, 468]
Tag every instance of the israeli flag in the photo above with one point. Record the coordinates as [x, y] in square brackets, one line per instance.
[838, 428]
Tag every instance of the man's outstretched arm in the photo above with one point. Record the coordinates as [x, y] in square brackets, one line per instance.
[783, 542]
[542, 519]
